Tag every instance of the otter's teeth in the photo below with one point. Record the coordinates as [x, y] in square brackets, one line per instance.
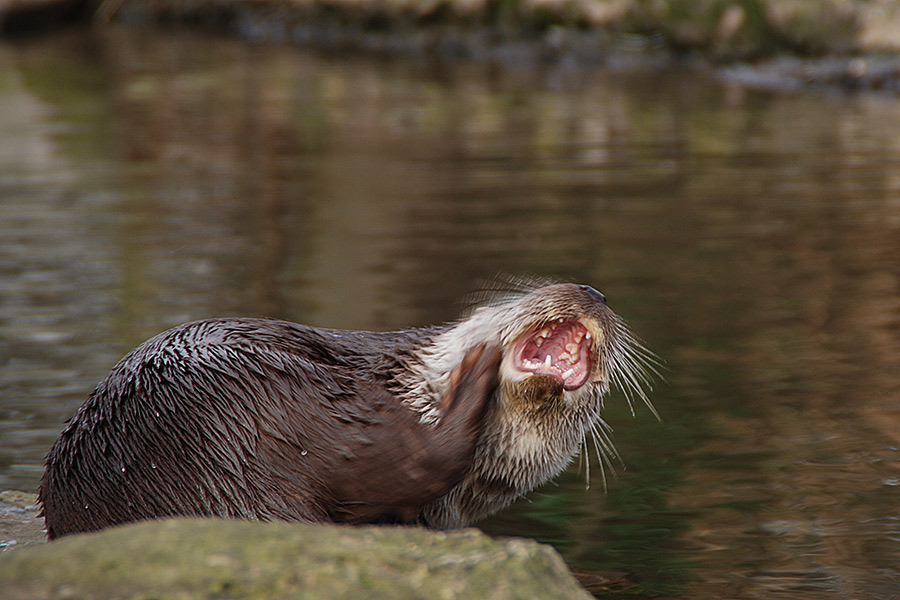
[580, 336]
[565, 356]
[572, 348]
[548, 362]
[587, 336]
[568, 374]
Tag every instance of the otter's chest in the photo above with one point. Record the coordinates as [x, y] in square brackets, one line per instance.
[527, 451]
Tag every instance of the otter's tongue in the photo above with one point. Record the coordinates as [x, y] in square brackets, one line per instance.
[561, 350]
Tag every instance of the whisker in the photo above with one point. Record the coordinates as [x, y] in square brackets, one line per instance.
[632, 366]
[587, 461]
[602, 434]
[605, 450]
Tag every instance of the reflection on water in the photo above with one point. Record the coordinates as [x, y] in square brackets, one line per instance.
[151, 178]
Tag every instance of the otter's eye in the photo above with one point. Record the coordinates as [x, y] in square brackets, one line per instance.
[594, 294]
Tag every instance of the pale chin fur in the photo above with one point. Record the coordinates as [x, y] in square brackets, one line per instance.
[520, 453]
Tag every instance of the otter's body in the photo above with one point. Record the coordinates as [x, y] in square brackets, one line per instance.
[263, 419]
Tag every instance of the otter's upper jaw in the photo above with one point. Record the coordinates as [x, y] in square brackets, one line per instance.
[561, 350]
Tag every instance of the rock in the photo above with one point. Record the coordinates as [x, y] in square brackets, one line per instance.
[848, 74]
[202, 558]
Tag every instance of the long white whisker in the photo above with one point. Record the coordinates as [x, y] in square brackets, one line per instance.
[587, 461]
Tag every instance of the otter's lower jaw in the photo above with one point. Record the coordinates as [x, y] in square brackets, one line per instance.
[535, 393]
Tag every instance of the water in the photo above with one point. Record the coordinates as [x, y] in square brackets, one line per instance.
[752, 240]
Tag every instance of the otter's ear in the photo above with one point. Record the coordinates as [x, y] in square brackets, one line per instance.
[472, 383]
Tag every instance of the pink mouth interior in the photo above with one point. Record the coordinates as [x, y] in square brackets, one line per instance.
[561, 350]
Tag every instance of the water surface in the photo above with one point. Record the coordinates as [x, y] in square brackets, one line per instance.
[149, 178]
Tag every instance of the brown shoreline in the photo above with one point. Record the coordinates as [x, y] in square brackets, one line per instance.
[718, 31]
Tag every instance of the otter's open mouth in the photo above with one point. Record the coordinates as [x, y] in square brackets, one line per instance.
[561, 350]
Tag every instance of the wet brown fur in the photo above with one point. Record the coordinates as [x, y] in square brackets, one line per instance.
[259, 419]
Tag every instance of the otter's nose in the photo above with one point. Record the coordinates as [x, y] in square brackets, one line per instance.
[594, 294]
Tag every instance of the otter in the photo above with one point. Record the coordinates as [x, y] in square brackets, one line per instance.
[263, 419]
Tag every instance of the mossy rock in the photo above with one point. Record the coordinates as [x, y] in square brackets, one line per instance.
[199, 558]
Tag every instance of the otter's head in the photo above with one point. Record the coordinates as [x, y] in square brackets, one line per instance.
[563, 346]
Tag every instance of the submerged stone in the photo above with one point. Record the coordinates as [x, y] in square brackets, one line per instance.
[20, 524]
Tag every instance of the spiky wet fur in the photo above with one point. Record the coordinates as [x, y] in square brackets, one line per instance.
[534, 427]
